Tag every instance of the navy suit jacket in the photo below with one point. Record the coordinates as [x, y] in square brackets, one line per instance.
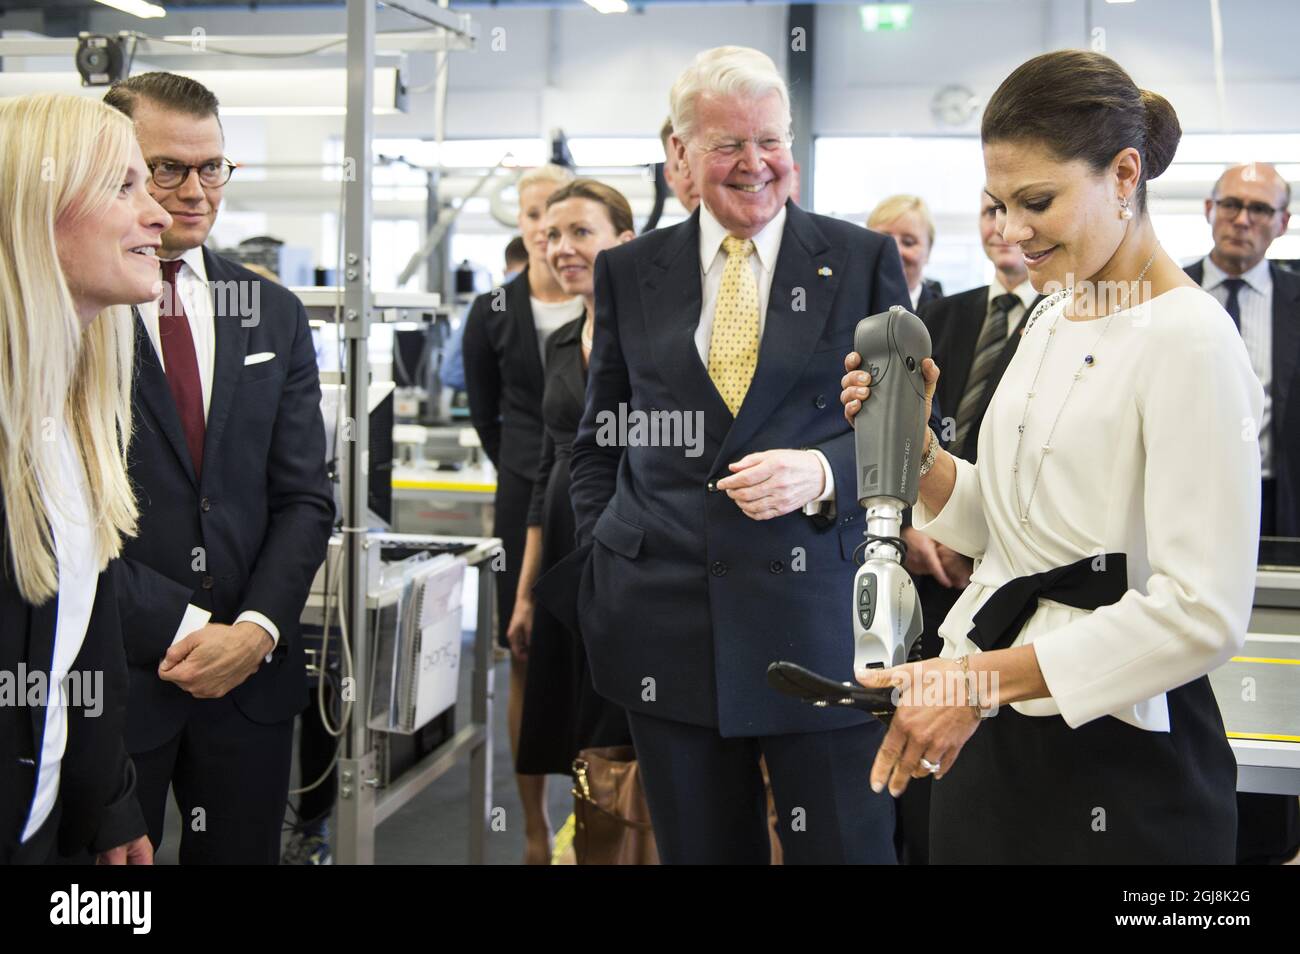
[1285, 422]
[252, 532]
[684, 600]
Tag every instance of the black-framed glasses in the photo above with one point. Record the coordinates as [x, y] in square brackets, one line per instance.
[1256, 211]
[169, 174]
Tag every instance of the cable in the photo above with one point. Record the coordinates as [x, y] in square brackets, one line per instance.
[260, 56]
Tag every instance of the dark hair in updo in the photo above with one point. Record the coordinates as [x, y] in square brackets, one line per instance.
[1083, 105]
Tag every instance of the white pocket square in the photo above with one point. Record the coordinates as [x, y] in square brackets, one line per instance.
[259, 357]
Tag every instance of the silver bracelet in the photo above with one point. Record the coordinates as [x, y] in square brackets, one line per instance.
[928, 460]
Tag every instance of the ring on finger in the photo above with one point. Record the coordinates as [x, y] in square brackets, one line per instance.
[931, 767]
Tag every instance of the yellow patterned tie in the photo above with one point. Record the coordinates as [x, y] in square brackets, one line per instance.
[733, 343]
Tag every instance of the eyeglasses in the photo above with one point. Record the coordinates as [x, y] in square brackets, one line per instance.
[730, 148]
[1256, 211]
[167, 174]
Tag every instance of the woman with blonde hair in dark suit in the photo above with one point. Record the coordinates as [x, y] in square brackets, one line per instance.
[79, 242]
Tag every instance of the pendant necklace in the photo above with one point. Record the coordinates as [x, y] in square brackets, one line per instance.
[1088, 361]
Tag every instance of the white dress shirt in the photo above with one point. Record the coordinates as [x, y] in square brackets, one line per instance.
[192, 289]
[68, 510]
[1147, 461]
[1255, 299]
[1024, 291]
[713, 261]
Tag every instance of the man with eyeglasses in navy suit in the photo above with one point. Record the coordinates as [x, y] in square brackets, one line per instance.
[1247, 210]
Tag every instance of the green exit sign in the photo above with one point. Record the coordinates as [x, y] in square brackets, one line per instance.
[886, 16]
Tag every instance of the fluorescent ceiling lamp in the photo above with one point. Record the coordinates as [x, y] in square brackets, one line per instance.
[608, 6]
[137, 8]
[320, 92]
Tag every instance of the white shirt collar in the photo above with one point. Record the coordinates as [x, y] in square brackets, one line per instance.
[193, 257]
[1024, 291]
[767, 243]
[1258, 278]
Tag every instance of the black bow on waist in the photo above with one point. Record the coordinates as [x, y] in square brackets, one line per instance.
[1091, 582]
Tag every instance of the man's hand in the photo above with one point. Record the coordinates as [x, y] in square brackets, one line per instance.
[138, 852]
[923, 556]
[211, 661]
[958, 566]
[773, 483]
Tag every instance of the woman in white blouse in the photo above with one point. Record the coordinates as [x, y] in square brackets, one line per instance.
[77, 242]
[1114, 511]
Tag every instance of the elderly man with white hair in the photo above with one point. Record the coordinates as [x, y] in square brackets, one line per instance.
[713, 558]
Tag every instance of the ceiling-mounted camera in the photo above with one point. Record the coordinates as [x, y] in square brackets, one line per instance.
[104, 60]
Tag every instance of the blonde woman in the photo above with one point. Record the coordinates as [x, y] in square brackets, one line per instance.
[907, 219]
[79, 239]
[504, 337]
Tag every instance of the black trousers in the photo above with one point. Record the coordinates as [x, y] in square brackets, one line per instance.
[230, 776]
[708, 804]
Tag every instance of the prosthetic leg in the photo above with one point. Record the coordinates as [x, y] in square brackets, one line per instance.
[889, 436]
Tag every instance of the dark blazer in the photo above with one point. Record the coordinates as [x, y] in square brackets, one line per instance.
[681, 587]
[1285, 420]
[97, 779]
[252, 532]
[955, 323]
[931, 291]
[503, 377]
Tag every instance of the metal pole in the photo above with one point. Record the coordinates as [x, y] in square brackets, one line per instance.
[799, 75]
[357, 773]
[480, 759]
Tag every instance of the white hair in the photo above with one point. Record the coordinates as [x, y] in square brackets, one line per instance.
[724, 71]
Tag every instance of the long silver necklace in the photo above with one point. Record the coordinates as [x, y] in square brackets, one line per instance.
[1088, 361]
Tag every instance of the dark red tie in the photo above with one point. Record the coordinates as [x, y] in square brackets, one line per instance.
[181, 362]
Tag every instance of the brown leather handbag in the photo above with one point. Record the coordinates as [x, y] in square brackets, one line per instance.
[612, 821]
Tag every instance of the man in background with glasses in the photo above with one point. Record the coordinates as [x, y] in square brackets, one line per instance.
[228, 461]
[1247, 210]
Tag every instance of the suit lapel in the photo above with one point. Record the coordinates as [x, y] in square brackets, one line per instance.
[40, 655]
[519, 309]
[153, 392]
[807, 274]
[231, 348]
[959, 347]
[568, 357]
[671, 299]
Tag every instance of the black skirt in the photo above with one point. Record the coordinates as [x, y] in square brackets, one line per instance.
[1031, 790]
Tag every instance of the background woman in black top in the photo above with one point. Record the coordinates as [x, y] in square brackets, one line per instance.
[504, 333]
[562, 713]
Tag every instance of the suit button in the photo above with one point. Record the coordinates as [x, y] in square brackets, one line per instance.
[205, 505]
[776, 566]
[207, 583]
[712, 486]
[820, 402]
[719, 568]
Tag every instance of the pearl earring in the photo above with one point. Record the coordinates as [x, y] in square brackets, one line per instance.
[1124, 211]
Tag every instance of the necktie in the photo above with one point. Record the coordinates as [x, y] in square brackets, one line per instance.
[1233, 305]
[733, 342]
[182, 364]
[988, 349]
